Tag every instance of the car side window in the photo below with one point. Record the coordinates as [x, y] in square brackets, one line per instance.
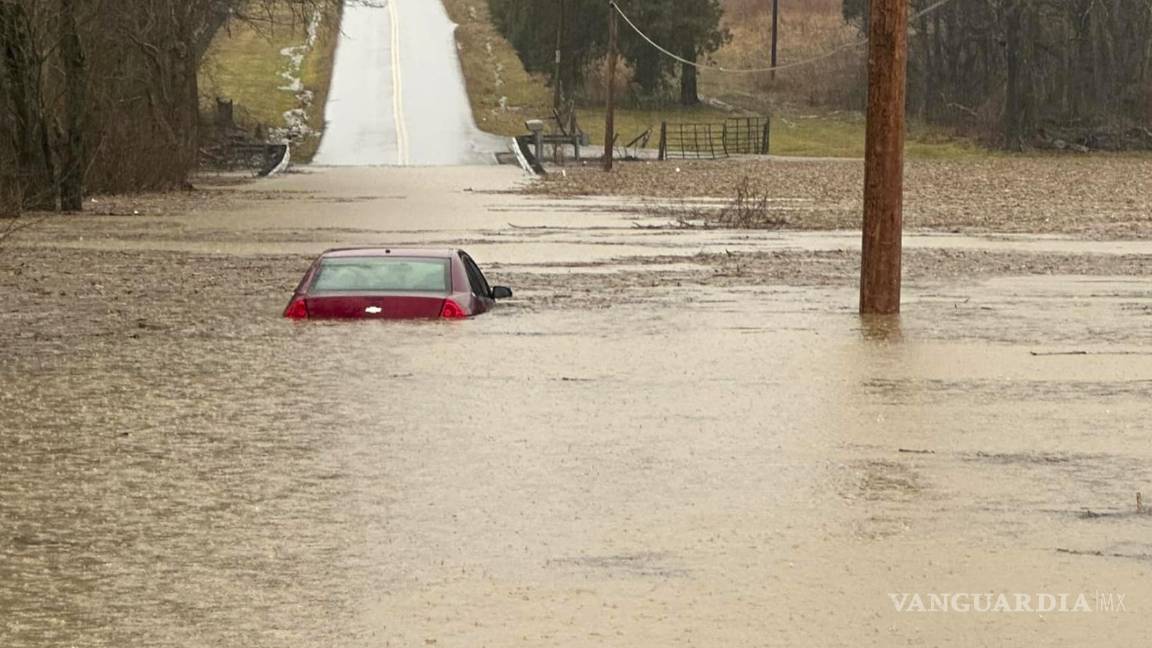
[475, 277]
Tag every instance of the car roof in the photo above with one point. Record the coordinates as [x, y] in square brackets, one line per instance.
[438, 253]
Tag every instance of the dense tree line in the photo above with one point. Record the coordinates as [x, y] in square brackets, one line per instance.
[102, 95]
[579, 29]
[1033, 70]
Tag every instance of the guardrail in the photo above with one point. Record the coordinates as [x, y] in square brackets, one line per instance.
[263, 159]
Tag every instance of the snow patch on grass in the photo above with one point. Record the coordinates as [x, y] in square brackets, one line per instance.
[297, 119]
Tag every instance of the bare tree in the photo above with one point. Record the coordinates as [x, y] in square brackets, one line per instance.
[1024, 70]
[102, 95]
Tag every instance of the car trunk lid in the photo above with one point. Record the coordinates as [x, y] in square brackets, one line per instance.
[348, 306]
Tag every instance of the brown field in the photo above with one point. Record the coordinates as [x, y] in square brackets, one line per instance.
[1100, 197]
[807, 30]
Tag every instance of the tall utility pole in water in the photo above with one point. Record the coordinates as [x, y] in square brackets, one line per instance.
[884, 157]
[610, 114]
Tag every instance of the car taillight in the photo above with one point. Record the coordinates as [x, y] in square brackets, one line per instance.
[452, 310]
[297, 309]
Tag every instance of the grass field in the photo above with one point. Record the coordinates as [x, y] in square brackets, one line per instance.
[791, 135]
[245, 63]
[502, 93]
[823, 135]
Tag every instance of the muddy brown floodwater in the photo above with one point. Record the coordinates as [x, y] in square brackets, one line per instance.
[1100, 196]
[669, 438]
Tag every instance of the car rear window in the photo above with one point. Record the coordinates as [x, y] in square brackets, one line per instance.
[382, 274]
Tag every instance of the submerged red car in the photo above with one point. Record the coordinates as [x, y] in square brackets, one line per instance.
[393, 283]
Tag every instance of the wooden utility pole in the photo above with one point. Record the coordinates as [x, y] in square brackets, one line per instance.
[884, 157]
[558, 94]
[775, 34]
[610, 114]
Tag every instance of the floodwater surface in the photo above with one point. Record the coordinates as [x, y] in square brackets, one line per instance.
[606, 460]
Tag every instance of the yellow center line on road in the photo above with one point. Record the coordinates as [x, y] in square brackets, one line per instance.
[398, 88]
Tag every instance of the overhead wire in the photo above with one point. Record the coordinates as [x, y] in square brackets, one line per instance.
[808, 61]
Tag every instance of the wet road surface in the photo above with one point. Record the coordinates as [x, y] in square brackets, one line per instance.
[398, 95]
[610, 459]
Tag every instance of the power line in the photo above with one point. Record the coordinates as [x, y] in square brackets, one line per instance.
[815, 59]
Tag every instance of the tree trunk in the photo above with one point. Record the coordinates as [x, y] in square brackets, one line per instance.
[1084, 76]
[1013, 107]
[34, 183]
[927, 71]
[188, 102]
[940, 67]
[689, 93]
[75, 82]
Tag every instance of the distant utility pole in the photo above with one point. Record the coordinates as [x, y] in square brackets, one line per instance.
[775, 34]
[610, 114]
[884, 157]
[557, 83]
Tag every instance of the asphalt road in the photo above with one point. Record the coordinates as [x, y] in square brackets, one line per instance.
[398, 96]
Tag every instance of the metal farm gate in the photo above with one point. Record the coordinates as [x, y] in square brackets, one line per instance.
[746, 136]
[713, 141]
[695, 141]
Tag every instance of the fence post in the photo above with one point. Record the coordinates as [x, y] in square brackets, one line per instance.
[225, 115]
[663, 155]
[766, 139]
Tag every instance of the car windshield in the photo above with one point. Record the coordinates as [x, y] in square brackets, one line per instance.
[382, 274]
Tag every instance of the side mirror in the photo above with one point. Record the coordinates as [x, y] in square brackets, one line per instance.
[501, 292]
